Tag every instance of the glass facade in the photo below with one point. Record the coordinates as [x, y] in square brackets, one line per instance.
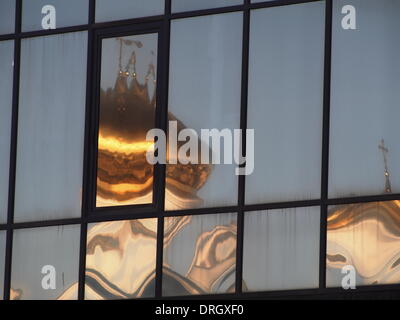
[86, 212]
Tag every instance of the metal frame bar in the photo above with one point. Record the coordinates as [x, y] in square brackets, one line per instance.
[157, 210]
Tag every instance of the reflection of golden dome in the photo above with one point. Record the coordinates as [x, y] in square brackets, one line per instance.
[124, 176]
[121, 260]
[366, 236]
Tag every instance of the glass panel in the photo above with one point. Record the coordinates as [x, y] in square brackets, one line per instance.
[204, 93]
[127, 113]
[365, 152]
[3, 238]
[51, 14]
[107, 10]
[45, 263]
[285, 102]
[6, 83]
[365, 236]
[281, 249]
[121, 259]
[186, 5]
[7, 16]
[199, 254]
[51, 127]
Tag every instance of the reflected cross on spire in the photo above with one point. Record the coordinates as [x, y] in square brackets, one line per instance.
[385, 151]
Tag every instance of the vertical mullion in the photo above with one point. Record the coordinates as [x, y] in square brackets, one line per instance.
[325, 141]
[163, 124]
[87, 177]
[13, 150]
[243, 127]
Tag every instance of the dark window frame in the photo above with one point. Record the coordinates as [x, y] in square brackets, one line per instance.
[89, 215]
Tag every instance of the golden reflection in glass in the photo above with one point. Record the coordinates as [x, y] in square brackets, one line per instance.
[199, 254]
[127, 113]
[367, 237]
[121, 259]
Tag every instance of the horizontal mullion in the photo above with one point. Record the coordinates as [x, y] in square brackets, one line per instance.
[362, 199]
[42, 33]
[46, 223]
[115, 215]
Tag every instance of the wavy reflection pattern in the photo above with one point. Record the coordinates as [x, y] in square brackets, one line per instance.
[199, 254]
[366, 236]
[121, 259]
[127, 113]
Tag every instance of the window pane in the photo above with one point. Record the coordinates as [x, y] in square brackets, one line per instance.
[127, 113]
[51, 127]
[199, 254]
[364, 236]
[66, 13]
[285, 102]
[204, 93]
[186, 5]
[3, 239]
[127, 9]
[7, 16]
[41, 254]
[365, 153]
[6, 82]
[121, 259]
[281, 249]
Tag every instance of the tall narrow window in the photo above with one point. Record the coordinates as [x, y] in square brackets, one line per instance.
[127, 113]
[51, 127]
[286, 70]
[204, 93]
[6, 80]
[365, 103]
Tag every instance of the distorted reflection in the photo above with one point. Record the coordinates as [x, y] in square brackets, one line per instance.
[121, 259]
[199, 254]
[127, 113]
[366, 236]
